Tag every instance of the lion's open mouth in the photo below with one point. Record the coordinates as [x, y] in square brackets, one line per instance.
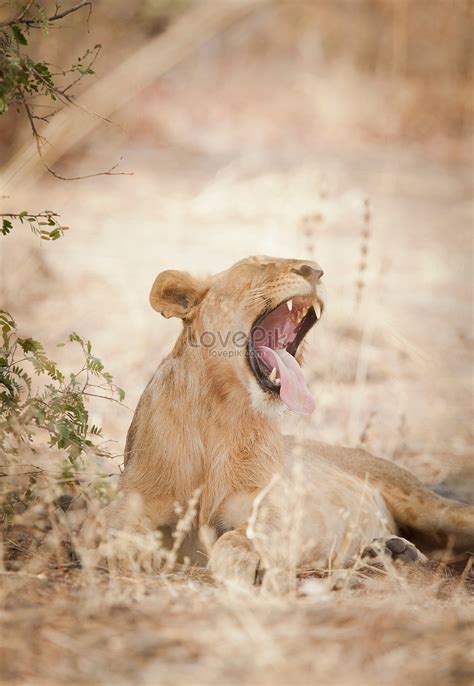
[274, 341]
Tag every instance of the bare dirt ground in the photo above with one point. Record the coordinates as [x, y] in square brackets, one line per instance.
[61, 628]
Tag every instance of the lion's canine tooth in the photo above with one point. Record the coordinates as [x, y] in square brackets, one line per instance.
[277, 382]
[290, 304]
[273, 374]
[317, 309]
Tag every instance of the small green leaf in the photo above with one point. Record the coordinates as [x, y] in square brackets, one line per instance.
[19, 35]
[7, 226]
[29, 345]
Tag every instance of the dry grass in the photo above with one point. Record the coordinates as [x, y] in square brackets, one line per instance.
[61, 628]
[278, 158]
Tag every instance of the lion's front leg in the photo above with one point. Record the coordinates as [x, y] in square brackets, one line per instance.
[124, 535]
[233, 558]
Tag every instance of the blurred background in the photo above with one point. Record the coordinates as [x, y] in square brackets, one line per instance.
[333, 129]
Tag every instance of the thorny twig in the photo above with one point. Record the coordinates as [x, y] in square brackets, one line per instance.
[36, 23]
[40, 140]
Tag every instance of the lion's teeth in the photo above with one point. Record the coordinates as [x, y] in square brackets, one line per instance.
[317, 309]
[290, 304]
[277, 382]
[273, 374]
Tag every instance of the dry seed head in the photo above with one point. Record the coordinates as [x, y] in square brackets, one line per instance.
[309, 226]
[365, 433]
[364, 240]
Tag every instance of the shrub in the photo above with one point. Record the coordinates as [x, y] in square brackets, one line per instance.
[43, 408]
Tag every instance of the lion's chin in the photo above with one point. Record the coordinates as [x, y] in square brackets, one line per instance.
[266, 404]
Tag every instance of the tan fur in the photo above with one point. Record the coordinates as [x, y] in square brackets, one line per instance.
[204, 422]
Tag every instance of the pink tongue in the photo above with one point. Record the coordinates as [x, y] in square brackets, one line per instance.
[293, 391]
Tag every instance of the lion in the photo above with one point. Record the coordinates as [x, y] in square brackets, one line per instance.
[208, 421]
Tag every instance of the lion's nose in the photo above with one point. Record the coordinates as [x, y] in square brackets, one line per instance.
[311, 271]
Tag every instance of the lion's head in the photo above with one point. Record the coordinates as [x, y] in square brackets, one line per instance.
[245, 326]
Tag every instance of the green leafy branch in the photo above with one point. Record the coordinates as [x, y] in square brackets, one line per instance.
[59, 406]
[24, 80]
[38, 224]
[21, 75]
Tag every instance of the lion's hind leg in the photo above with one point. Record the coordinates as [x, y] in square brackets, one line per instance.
[392, 549]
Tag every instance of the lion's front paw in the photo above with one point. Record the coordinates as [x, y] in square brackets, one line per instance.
[234, 559]
[393, 548]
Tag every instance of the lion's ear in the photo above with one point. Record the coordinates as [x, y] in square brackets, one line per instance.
[176, 294]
